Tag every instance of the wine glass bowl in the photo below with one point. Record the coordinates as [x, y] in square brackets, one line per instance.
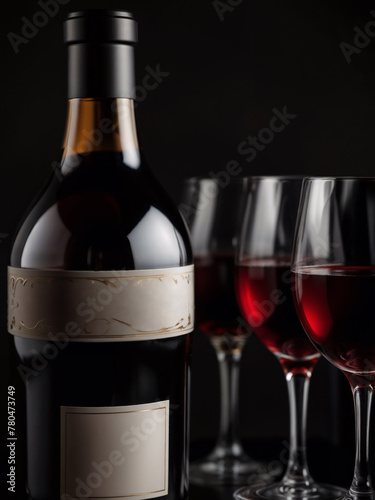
[343, 329]
[217, 309]
[213, 215]
[265, 296]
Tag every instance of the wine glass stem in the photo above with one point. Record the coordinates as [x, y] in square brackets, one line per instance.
[229, 367]
[361, 485]
[298, 388]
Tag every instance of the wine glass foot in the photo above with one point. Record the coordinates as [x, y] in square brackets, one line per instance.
[353, 495]
[281, 491]
[232, 470]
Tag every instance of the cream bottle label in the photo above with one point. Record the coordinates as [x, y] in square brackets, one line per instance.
[116, 452]
[100, 306]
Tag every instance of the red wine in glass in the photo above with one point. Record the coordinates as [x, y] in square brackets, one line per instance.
[217, 310]
[336, 306]
[265, 296]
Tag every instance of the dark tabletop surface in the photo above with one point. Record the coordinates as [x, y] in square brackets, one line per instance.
[327, 464]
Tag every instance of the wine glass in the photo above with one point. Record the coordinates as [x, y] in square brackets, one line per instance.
[333, 269]
[213, 213]
[264, 292]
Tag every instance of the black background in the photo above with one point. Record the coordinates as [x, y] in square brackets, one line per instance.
[226, 75]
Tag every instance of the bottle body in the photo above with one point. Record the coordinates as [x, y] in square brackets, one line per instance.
[96, 376]
[103, 218]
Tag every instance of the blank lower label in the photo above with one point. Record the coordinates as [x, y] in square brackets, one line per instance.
[114, 452]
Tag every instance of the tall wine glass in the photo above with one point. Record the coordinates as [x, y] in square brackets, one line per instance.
[334, 288]
[263, 285]
[213, 214]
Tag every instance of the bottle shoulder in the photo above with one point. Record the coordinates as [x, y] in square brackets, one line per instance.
[103, 215]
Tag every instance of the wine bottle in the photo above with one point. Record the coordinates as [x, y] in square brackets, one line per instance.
[100, 298]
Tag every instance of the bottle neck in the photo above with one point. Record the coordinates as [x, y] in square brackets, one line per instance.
[95, 125]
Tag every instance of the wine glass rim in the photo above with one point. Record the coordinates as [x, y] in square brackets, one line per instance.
[276, 177]
[196, 178]
[340, 178]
